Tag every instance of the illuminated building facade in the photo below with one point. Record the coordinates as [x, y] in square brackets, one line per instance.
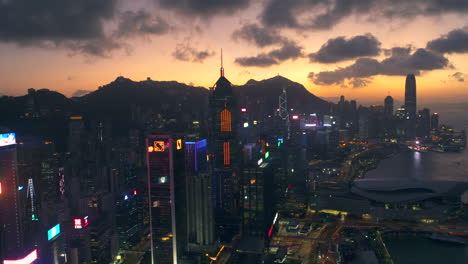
[161, 195]
[223, 148]
[11, 213]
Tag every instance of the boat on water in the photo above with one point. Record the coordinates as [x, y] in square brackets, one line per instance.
[443, 237]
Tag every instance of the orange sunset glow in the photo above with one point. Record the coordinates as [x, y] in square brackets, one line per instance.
[52, 61]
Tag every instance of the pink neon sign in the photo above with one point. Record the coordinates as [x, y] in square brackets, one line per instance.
[26, 260]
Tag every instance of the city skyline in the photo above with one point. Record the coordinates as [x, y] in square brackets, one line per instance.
[180, 41]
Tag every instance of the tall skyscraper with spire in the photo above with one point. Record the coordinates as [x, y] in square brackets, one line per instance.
[410, 96]
[223, 149]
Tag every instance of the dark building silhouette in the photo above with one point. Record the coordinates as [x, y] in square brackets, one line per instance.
[435, 121]
[410, 96]
[223, 148]
[200, 218]
[388, 106]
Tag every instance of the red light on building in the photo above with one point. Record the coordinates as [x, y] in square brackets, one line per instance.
[85, 221]
[289, 186]
[150, 149]
[270, 231]
[295, 117]
[244, 110]
[30, 258]
[0, 188]
[134, 192]
[78, 223]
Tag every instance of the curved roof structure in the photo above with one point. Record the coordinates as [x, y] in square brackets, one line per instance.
[399, 190]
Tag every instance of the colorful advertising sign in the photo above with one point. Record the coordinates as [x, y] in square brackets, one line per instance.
[7, 139]
[30, 258]
[53, 232]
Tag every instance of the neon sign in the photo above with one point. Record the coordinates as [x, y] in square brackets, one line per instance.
[179, 144]
[53, 232]
[78, 223]
[7, 139]
[30, 258]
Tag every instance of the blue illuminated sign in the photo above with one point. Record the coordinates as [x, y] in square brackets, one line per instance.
[53, 232]
[7, 139]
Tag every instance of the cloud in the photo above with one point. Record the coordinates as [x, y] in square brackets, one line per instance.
[141, 23]
[261, 60]
[456, 41]
[341, 49]
[259, 36]
[204, 8]
[289, 50]
[27, 21]
[459, 76]
[401, 62]
[80, 26]
[324, 14]
[98, 47]
[184, 52]
[79, 93]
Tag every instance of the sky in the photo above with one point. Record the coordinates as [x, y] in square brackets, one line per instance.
[362, 49]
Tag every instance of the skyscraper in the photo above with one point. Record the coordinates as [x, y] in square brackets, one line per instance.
[200, 219]
[161, 195]
[222, 148]
[435, 121]
[388, 106]
[11, 211]
[410, 96]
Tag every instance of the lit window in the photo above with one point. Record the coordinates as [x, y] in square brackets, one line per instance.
[226, 121]
[227, 153]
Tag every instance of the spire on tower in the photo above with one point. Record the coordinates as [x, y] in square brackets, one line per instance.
[222, 68]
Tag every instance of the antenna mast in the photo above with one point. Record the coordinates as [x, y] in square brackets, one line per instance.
[222, 68]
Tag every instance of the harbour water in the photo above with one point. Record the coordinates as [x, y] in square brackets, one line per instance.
[424, 166]
[417, 250]
[428, 166]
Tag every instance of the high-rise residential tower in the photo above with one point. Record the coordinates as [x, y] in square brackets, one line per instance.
[410, 96]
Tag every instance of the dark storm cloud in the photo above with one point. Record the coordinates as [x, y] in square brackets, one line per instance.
[141, 23]
[341, 49]
[75, 25]
[324, 14]
[26, 21]
[459, 76]
[184, 52]
[289, 50]
[257, 35]
[455, 41]
[399, 63]
[204, 8]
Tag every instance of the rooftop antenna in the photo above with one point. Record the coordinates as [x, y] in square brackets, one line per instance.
[222, 68]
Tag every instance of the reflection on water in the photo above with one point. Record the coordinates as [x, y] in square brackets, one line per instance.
[415, 250]
[424, 166]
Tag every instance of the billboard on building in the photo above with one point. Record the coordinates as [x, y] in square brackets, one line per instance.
[7, 139]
